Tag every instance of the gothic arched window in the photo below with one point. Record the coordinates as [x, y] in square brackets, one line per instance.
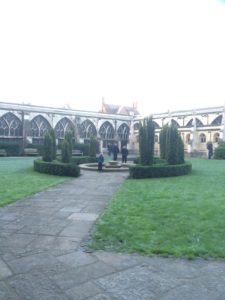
[64, 125]
[190, 123]
[156, 125]
[107, 131]
[202, 138]
[39, 126]
[10, 125]
[216, 138]
[123, 132]
[136, 126]
[198, 123]
[175, 123]
[87, 130]
[188, 138]
[217, 121]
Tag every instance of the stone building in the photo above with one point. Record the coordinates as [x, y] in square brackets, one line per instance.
[23, 123]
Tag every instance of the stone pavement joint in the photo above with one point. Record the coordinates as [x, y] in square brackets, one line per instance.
[42, 255]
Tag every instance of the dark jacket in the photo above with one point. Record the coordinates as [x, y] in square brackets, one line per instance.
[100, 159]
[124, 152]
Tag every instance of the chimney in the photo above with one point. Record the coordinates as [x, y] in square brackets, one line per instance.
[103, 103]
[135, 105]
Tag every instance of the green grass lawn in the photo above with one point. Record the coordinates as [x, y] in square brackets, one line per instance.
[18, 180]
[181, 216]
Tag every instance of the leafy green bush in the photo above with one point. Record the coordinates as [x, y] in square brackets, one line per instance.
[56, 168]
[162, 141]
[159, 170]
[82, 159]
[174, 149]
[219, 152]
[52, 134]
[69, 139]
[147, 141]
[94, 147]
[66, 152]
[156, 160]
[47, 148]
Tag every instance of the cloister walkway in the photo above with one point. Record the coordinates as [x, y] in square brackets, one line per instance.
[42, 258]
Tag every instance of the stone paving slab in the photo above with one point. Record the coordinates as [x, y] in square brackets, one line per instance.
[4, 270]
[41, 254]
[83, 217]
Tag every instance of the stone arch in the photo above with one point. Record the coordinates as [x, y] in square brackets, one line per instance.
[87, 130]
[123, 132]
[136, 126]
[189, 123]
[107, 131]
[10, 125]
[188, 138]
[64, 125]
[156, 138]
[217, 121]
[198, 123]
[39, 126]
[175, 123]
[156, 125]
[216, 137]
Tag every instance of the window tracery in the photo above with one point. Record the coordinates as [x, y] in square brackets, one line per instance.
[10, 125]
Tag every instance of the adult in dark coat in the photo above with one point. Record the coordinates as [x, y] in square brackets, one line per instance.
[115, 151]
[100, 160]
[210, 149]
[124, 154]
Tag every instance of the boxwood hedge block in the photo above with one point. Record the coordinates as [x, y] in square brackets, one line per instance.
[57, 168]
[156, 160]
[220, 152]
[159, 170]
[83, 160]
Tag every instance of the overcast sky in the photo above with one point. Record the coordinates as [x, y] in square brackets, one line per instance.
[164, 55]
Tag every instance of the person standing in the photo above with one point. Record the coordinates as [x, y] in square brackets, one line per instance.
[100, 161]
[210, 149]
[115, 151]
[124, 154]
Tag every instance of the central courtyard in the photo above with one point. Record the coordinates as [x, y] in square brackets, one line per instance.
[44, 238]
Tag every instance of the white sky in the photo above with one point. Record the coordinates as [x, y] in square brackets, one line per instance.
[162, 54]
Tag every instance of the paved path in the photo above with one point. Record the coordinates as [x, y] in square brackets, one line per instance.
[41, 257]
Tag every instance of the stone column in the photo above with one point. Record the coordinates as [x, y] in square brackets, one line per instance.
[23, 132]
[222, 130]
[193, 135]
[130, 145]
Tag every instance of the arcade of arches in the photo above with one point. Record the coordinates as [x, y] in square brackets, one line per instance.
[19, 122]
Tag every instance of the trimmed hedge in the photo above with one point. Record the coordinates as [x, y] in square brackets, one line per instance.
[56, 168]
[159, 170]
[83, 159]
[157, 160]
[219, 152]
[11, 149]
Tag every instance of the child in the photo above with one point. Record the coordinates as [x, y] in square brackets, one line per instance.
[100, 161]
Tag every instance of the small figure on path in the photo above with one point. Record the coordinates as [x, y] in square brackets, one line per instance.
[210, 149]
[124, 154]
[115, 151]
[109, 149]
[100, 160]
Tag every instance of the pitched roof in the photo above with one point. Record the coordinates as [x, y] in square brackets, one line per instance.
[119, 109]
